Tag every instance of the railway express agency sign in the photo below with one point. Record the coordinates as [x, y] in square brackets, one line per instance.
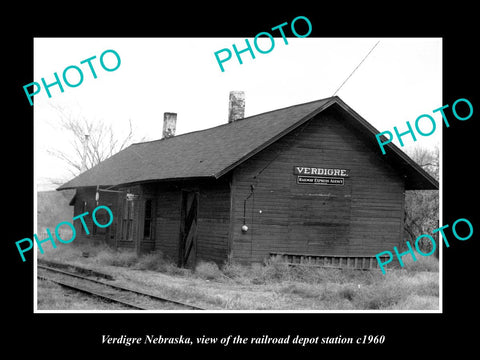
[320, 176]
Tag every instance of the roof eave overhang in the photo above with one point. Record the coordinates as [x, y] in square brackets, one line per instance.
[424, 180]
[138, 182]
[416, 177]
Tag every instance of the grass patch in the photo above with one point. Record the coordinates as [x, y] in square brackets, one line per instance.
[271, 285]
[396, 288]
[103, 255]
[277, 270]
[302, 290]
[414, 287]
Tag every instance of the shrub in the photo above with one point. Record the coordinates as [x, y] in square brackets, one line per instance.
[236, 271]
[171, 269]
[275, 269]
[208, 270]
[395, 287]
[125, 258]
[308, 274]
[302, 290]
[423, 263]
[152, 261]
[347, 292]
[428, 287]
[379, 297]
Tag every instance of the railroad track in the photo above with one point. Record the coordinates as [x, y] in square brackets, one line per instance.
[113, 293]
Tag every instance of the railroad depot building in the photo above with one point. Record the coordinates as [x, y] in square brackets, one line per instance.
[307, 181]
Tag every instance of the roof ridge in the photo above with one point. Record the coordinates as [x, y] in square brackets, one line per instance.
[225, 147]
[284, 108]
[239, 120]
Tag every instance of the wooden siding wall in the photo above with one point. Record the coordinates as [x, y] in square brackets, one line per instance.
[360, 218]
[214, 221]
[167, 221]
[97, 235]
[213, 217]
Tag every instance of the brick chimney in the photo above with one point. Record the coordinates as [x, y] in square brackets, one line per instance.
[236, 106]
[169, 124]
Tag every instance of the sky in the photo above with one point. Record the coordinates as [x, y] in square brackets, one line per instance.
[398, 81]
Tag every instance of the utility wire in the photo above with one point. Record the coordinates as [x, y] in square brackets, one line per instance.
[374, 46]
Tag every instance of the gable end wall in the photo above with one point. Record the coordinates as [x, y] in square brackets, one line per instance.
[360, 218]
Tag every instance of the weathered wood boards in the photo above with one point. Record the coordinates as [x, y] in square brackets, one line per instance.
[353, 219]
[321, 191]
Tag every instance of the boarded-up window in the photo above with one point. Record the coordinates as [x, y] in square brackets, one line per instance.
[84, 210]
[319, 218]
[148, 221]
[127, 221]
[102, 218]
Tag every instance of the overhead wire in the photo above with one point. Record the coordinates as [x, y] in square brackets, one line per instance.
[361, 62]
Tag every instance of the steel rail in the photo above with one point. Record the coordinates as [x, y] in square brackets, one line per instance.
[91, 292]
[117, 287]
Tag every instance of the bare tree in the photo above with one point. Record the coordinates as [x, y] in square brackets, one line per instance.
[92, 141]
[422, 206]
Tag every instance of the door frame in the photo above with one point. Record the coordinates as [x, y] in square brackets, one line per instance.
[187, 245]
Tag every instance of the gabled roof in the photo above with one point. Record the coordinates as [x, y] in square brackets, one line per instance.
[215, 151]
